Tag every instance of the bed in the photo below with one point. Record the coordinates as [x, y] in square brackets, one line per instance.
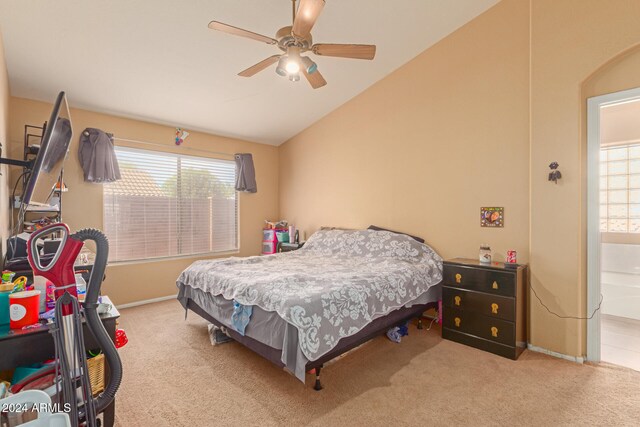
[339, 290]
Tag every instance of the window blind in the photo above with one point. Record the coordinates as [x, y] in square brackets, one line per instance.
[169, 205]
[620, 189]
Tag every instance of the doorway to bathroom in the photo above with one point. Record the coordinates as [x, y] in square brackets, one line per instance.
[613, 201]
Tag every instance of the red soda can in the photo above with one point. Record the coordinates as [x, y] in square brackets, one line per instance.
[512, 256]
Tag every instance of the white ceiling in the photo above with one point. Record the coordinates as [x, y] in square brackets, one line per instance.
[156, 60]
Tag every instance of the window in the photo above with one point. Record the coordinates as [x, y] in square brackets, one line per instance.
[169, 205]
[620, 189]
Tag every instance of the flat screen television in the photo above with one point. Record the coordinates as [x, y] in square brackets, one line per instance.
[45, 172]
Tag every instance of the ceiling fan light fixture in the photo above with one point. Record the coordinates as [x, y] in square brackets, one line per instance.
[293, 60]
[281, 69]
[309, 65]
[294, 77]
[292, 67]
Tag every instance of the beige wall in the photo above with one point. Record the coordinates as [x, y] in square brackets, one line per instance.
[422, 150]
[475, 120]
[82, 205]
[4, 138]
[620, 123]
[571, 40]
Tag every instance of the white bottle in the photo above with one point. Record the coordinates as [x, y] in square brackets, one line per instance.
[40, 284]
[81, 286]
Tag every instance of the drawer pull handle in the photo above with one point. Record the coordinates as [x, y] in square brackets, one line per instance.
[494, 332]
[494, 308]
[457, 322]
[495, 285]
[456, 300]
[458, 278]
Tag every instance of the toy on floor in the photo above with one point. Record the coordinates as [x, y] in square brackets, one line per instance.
[121, 338]
[218, 335]
[396, 333]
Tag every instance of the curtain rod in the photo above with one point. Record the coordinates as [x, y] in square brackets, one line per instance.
[155, 144]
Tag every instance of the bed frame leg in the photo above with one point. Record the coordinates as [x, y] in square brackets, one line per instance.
[420, 323]
[318, 386]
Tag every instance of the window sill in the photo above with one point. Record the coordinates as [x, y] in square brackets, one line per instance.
[172, 258]
[620, 238]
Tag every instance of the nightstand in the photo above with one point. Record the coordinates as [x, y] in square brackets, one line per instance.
[288, 247]
[484, 306]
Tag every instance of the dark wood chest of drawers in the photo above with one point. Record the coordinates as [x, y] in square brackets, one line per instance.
[484, 306]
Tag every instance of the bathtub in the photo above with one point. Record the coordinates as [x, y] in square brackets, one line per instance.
[620, 280]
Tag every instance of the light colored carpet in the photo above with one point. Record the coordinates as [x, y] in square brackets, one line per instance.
[174, 377]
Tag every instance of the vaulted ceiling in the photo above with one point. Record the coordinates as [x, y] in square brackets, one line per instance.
[156, 60]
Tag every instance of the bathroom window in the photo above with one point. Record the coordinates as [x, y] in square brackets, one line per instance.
[620, 189]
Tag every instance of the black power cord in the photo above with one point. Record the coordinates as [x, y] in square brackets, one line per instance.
[15, 229]
[567, 317]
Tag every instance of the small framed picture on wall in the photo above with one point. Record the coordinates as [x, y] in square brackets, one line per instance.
[491, 217]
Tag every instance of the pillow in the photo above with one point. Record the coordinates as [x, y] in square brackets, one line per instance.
[376, 228]
[325, 228]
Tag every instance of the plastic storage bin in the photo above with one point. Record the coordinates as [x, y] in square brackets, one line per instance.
[269, 235]
[5, 290]
[269, 248]
[282, 236]
[271, 238]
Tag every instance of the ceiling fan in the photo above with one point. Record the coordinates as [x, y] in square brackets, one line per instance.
[295, 40]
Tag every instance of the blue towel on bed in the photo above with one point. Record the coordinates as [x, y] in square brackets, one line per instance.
[241, 316]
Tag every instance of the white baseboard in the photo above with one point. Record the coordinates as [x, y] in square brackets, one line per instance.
[576, 359]
[146, 301]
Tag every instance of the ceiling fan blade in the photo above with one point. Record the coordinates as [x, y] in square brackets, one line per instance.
[306, 17]
[254, 69]
[230, 29]
[355, 51]
[315, 79]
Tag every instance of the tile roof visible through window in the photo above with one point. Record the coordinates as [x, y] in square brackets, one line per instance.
[135, 182]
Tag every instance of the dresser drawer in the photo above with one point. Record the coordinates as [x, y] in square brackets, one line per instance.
[486, 327]
[495, 306]
[492, 282]
[486, 345]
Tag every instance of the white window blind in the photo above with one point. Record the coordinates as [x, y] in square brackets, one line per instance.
[620, 189]
[169, 205]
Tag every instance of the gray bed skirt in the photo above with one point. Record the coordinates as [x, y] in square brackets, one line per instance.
[275, 339]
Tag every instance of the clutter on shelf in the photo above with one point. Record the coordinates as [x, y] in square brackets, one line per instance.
[23, 305]
[278, 232]
[270, 225]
